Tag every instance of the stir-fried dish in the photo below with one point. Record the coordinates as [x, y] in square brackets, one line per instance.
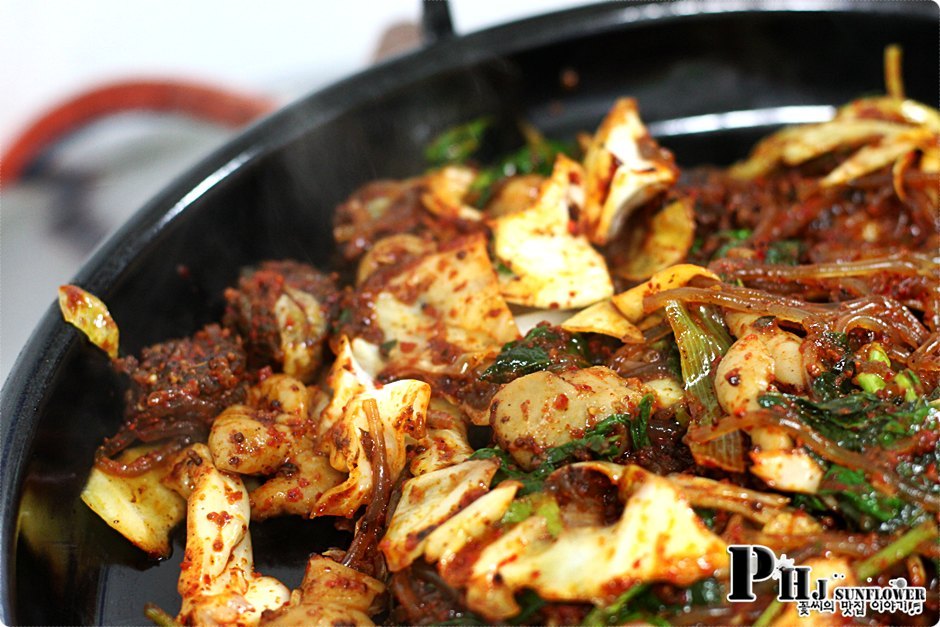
[576, 384]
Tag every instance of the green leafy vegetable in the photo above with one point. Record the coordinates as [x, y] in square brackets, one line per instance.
[870, 382]
[784, 252]
[502, 268]
[638, 603]
[857, 421]
[538, 504]
[457, 144]
[538, 157]
[908, 381]
[530, 604]
[517, 360]
[639, 428]
[707, 516]
[837, 379]
[543, 348]
[708, 591]
[733, 238]
[850, 494]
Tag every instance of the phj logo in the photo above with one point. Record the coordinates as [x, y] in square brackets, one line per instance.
[752, 563]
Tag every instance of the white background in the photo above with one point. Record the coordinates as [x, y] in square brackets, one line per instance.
[51, 50]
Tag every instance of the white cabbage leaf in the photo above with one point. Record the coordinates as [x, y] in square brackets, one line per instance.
[444, 313]
[547, 265]
[140, 508]
[658, 538]
[429, 500]
[402, 408]
[625, 168]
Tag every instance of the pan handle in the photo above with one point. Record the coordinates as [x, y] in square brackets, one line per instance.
[436, 23]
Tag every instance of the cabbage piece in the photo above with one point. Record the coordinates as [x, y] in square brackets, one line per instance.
[444, 312]
[760, 507]
[547, 266]
[446, 441]
[625, 168]
[392, 250]
[667, 241]
[542, 410]
[514, 194]
[887, 127]
[630, 303]
[87, 313]
[605, 319]
[140, 508]
[889, 107]
[218, 582]
[446, 189]
[402, 407]
[871, 158]
[796, 145]
[487, 592]
[330, 594]
[470, 523]
[658, 538]
[429, 500]
[302, 328]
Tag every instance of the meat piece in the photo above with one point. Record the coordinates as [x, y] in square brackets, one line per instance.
[283, 309]
[416, 206]
[376, 210]
[183, 383]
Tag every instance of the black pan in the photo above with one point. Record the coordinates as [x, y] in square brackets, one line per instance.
[270, 193]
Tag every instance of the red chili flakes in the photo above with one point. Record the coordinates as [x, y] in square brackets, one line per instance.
[219, 518]
[561, 402]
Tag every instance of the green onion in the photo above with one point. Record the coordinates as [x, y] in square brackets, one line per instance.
[907, 381]
[158, 616]
[699, 354]
[769, 614]
[897, 550]
[517, 512]
[871, 383]
[877, 353]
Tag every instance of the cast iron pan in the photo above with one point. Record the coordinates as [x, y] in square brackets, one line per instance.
[270, 194]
